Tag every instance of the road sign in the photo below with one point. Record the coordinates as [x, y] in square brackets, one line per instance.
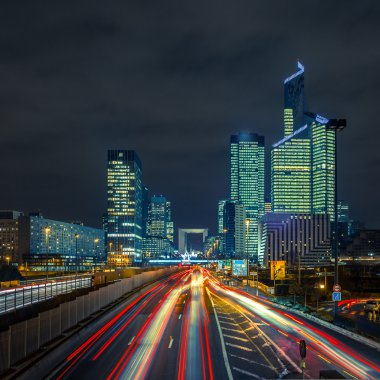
[337, 288]
[303, 349]
[253, 273]
[337, 296]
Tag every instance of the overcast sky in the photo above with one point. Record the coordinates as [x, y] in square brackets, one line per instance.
[173, 80]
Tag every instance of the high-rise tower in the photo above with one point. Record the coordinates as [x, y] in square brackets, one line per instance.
[294, 102]
[124, 208]
[247, 181]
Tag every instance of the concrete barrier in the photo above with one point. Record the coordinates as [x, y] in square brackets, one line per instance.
[5, 347]
[26, 337]
[18, 342]
[32, 335]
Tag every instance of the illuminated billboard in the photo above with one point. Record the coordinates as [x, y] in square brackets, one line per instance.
[239, 267]
[277, 270]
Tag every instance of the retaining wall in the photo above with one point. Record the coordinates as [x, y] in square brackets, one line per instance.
[22, 339]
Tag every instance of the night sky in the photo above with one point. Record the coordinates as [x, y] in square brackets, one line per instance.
[173, 80]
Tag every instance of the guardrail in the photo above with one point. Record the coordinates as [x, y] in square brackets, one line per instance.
[16, 298]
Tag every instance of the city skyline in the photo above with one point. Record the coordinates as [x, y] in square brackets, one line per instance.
[242, 92]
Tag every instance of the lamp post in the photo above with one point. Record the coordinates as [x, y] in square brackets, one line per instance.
[76, 258]
[247, 221]
[47, 230]
[96, 241]
[8, 259]
[336, 125]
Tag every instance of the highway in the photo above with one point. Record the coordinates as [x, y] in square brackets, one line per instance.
[191, 326]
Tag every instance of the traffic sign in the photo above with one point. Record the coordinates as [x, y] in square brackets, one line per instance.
[337, 288]
[337, 296]
[303, 349]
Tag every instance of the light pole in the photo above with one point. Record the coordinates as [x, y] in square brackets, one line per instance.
[247, 221]
[47, 230]
[8, 259]
[96, 241]
[336, 125]
[76, 258]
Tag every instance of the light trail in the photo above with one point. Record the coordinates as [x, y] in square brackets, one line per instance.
[338, 353]
[138, 357]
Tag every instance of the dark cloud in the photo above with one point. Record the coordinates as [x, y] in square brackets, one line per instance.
[173, 80]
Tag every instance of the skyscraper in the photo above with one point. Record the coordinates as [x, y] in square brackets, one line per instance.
[169, 222]
[124, 208]
[291, 173]
[247, 181]
[303, 162]
[294, 101]
[234, 226]
[159, 222]
[221, 204]
[323, 169]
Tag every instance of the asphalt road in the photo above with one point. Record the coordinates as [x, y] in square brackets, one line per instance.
[191, 326]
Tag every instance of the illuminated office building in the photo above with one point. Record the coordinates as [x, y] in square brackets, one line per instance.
[67, 246]
[159, 222]
[169, 222]
[291, 173]
[323, 168]
[9, 252]
[221, 204]
[234, 217]
[296, 238]
[294, 104]
[303, 162]
[124, 208]
[247, 181]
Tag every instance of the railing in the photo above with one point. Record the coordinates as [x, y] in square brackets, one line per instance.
[12, 299]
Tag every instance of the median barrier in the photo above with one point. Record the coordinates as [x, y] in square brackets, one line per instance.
[24, 338]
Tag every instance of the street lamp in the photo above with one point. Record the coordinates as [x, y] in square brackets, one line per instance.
[8, 259]
[336, 125]
[96, 241]
[47, 230]
[247, 221]
[76, 257]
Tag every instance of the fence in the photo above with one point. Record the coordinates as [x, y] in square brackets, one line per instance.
[23, 296]
[24, 338]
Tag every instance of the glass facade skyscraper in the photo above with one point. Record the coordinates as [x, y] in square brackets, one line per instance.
[294, 101]
[159, 221]
[247, 181]
[323, 169]
[291, 173]
[303, 162]
[124, 208]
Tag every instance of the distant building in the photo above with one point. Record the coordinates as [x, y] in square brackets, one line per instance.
[9, 242]
[156, 247]
[247, 181]
[67, 246]
[221, 204]
[158, 241]
[212, 247]
[124, 208]
[294, 237]
[364, 245]
[159, 222]
[354, 227]
[235, 230]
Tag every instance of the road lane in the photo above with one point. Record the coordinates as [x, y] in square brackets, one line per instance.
[283, 330]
